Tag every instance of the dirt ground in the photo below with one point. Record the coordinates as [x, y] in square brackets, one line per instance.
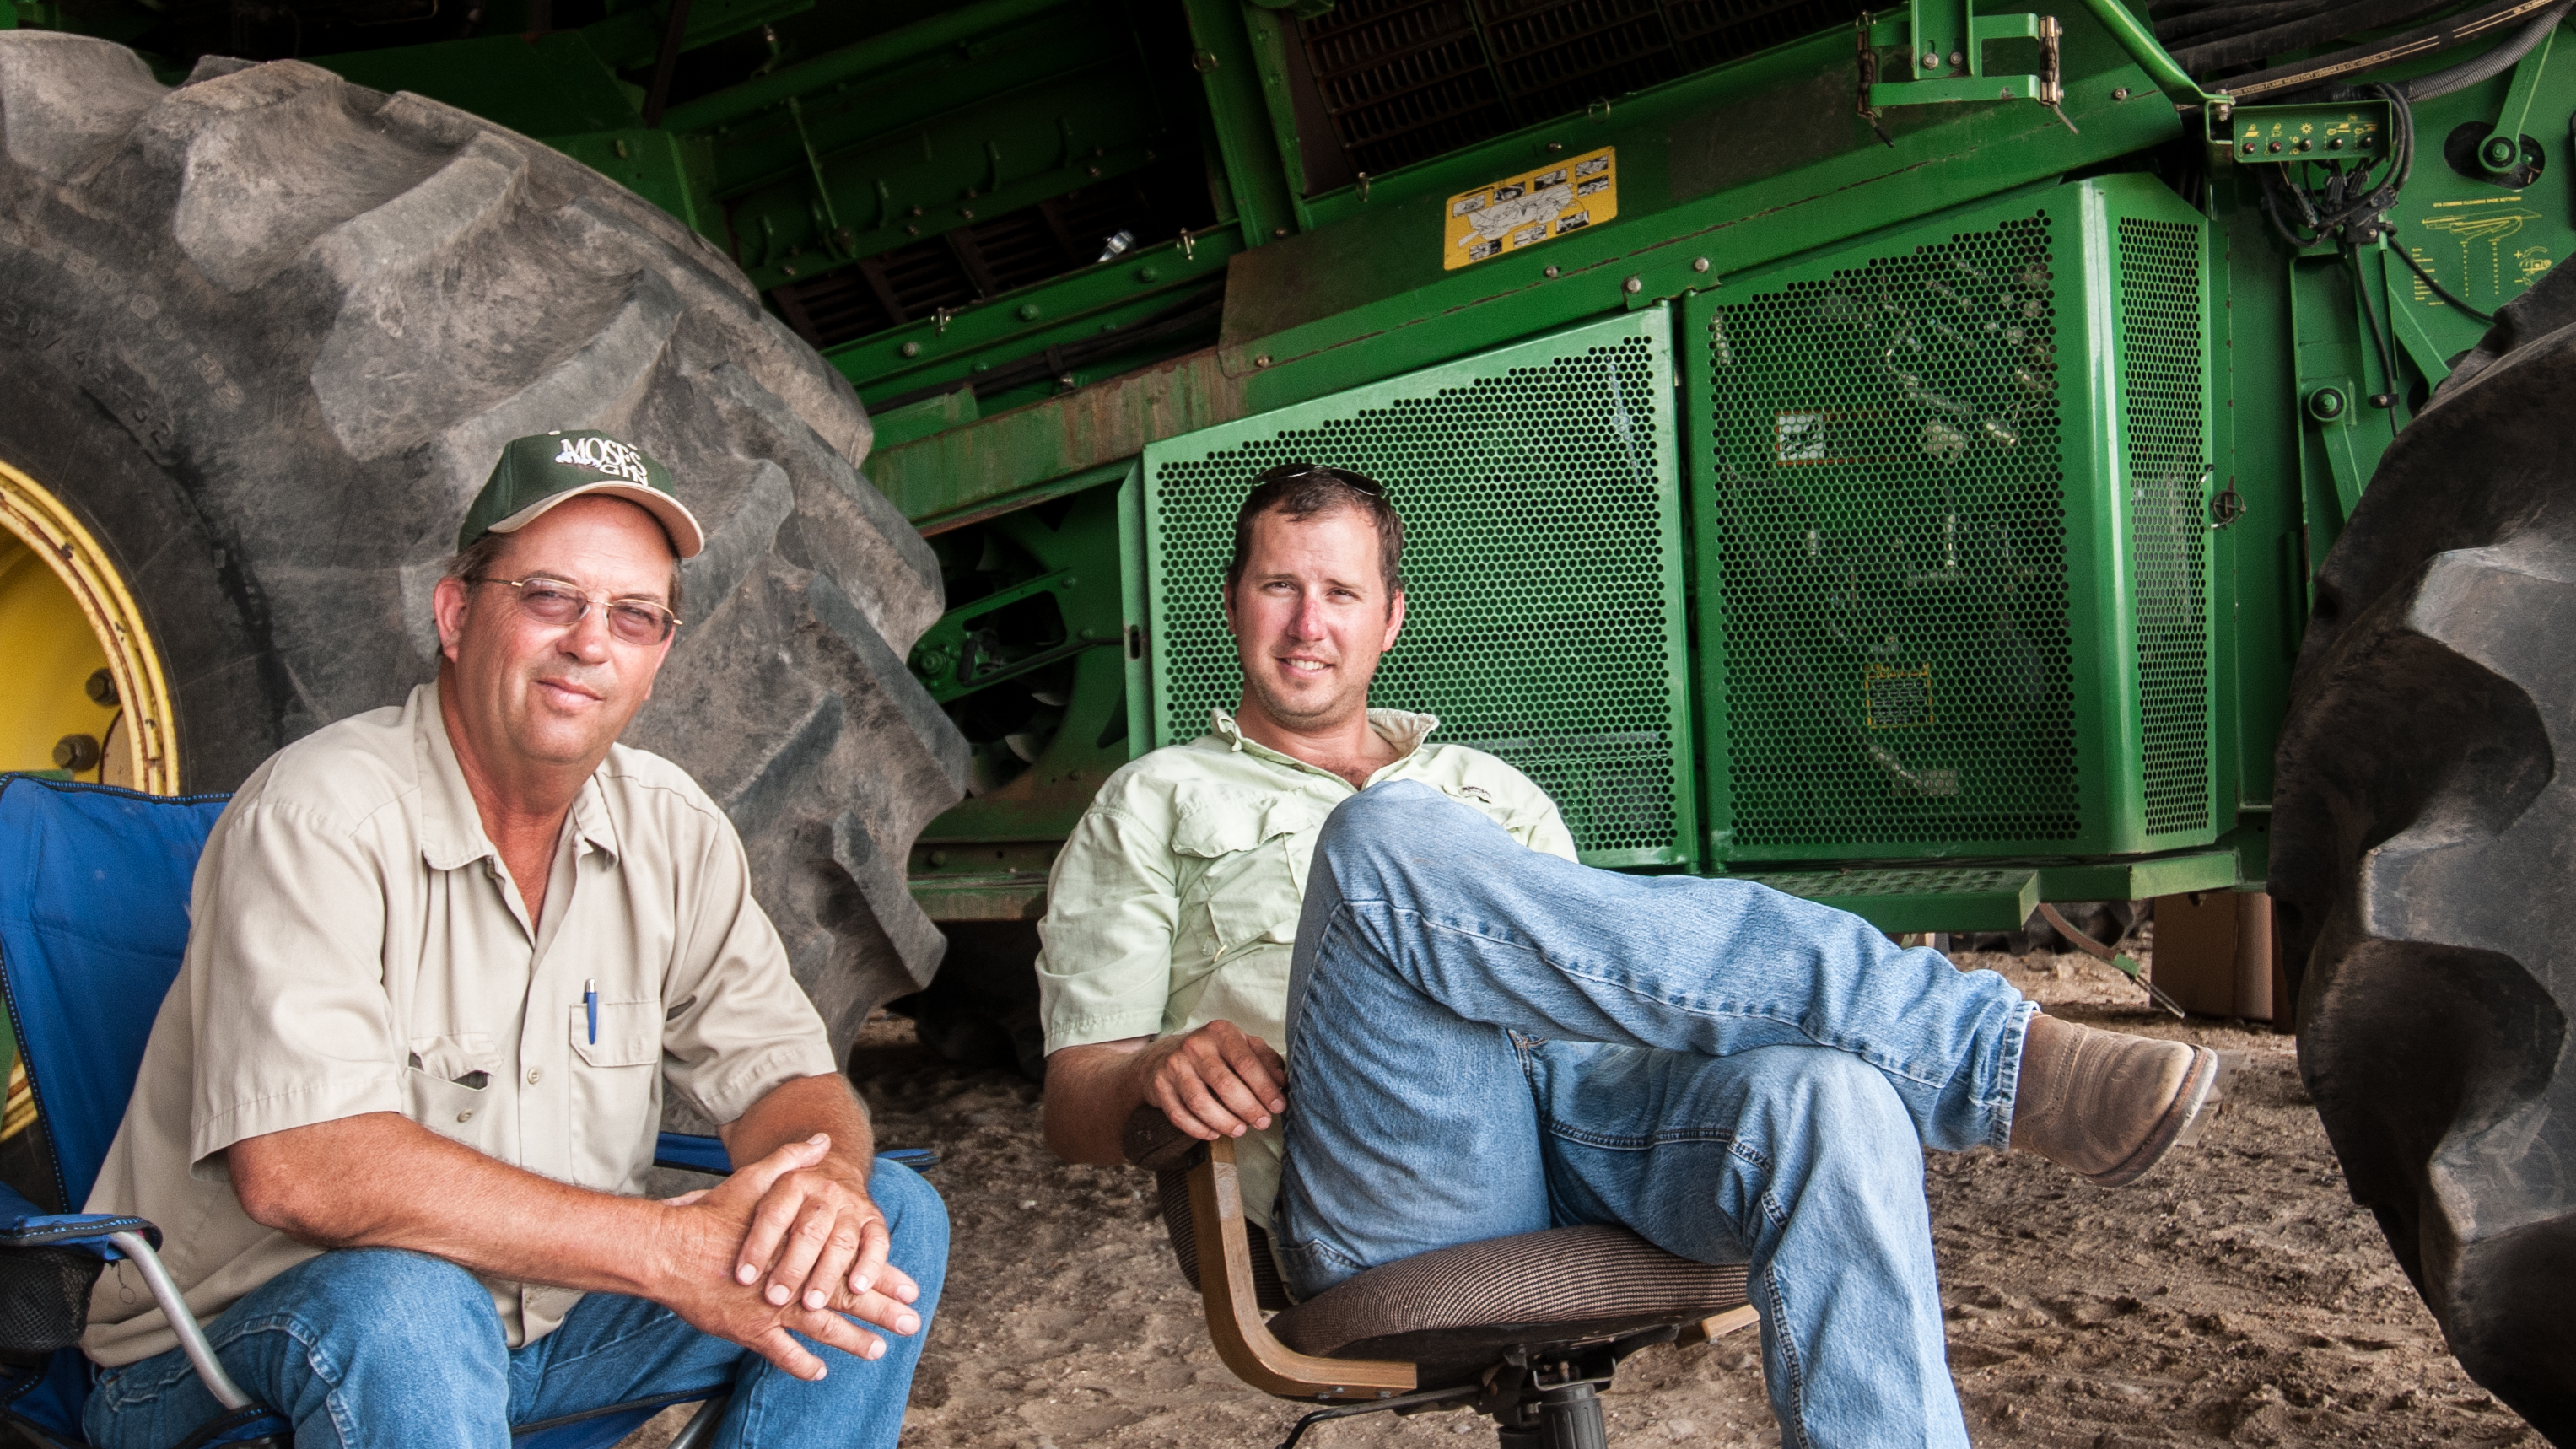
[2237, 1296]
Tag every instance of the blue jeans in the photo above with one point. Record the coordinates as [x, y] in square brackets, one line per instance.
[382, 1347]
[1484, 1040]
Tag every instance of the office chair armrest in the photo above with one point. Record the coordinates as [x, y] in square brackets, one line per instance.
[1151, 1141]
[1242, 1336]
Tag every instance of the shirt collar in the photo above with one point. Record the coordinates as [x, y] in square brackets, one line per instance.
[451, 828]
[1402, 728]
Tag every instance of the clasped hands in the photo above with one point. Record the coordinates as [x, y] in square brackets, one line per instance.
[789, 1245]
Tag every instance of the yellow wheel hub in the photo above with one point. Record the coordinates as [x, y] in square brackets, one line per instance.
[84, 692]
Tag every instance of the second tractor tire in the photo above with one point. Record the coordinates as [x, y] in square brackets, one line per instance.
[2424, 854]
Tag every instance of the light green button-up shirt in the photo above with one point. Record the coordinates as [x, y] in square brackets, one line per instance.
[1175, 901]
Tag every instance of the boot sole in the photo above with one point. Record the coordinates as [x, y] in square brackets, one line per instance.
[2179, 1115]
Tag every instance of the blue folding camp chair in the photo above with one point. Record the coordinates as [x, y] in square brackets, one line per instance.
[93, 920]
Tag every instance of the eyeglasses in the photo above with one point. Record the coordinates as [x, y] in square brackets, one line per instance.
[556, 603]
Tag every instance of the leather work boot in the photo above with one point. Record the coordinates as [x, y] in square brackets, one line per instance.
[2103, 1104]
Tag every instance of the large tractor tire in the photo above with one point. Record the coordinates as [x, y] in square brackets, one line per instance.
[2425, 854]
[264, 334]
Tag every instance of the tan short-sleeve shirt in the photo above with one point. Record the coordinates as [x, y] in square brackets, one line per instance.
[356, 946]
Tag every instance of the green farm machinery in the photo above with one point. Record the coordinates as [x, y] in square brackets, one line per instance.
[1938, 461]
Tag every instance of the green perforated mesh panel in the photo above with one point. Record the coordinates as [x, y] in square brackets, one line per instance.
[1892, 551]
[1541, 564]
[2162, 368]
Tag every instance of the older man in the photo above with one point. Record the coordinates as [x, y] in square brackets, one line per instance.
[1488, 1038]
[397, 1109]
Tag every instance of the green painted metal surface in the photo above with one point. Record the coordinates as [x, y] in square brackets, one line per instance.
[1901, 900]
[1542, 500]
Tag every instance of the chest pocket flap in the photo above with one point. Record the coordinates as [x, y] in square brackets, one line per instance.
[1249, 848]
[630, 1034]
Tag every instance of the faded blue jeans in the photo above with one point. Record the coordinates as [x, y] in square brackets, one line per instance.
[382, 1347]
[1484, 1040]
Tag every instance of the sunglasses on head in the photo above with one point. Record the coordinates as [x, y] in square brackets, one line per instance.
[1297, 472]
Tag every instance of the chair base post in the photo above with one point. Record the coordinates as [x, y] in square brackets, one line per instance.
[1567, 1418]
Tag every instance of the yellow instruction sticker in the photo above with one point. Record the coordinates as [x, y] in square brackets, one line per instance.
[1524, 210]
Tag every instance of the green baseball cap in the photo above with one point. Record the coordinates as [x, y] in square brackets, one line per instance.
[536, 473]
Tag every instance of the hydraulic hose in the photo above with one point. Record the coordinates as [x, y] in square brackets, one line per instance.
[2300, 34]
[2477, 68]
[2224, 22]
[2343, 65]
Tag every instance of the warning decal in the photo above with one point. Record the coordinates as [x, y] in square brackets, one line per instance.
[1524, 210]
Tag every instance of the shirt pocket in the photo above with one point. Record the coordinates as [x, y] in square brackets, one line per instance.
[616, 1093]
[447, 1086]
[1253, 845]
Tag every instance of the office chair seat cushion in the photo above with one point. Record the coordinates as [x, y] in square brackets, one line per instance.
[1453, 1311]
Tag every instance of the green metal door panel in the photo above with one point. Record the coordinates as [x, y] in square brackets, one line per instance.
[1953, 592]
[1541, 491]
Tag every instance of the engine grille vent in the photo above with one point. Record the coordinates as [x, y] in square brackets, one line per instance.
[2160, 332]
[1892, 545]
[1544, 618]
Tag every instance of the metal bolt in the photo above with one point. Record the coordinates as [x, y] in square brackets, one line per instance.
[938, 858]
[1262, 361]
[1093, 170]
[1931, 60]
[1551, 273]
[1556, 145]
[1699, 264]
[789, 269]
[1149, 274]
[101, 688]
[910, 349]
[967, 212]
[1633, 285]
[2500, 152]
[76, 753]
[536, 1075]
[2121, 94]
[1957, 60]
[1279, 231]
[1028, 311]
[2275, 148]
[2325, 404]
[465, 1116]
[912, 231]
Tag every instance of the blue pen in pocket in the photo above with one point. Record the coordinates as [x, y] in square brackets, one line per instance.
[590, 1008]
